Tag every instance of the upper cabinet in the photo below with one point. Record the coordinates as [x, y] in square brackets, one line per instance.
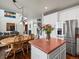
[57, 19]
[51, 19]
[69, 14]
[63, 15]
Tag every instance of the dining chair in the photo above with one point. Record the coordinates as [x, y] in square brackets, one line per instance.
[25, 43]
[7, 52]
[30, 37]
[16, 46]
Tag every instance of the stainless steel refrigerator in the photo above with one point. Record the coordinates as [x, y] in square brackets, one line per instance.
[70, 36]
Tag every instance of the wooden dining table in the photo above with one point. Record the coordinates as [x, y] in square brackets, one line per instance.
[10, 40]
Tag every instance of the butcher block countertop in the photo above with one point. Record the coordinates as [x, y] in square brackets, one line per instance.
[47, 46]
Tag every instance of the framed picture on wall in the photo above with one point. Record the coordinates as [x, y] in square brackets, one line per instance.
[10, 26]
[9, 14]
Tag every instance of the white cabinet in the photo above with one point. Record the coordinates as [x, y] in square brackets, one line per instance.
[69, 14]
[56, 57]
[59, 28]
[51, 19]
[37, 53]
[54, 54]
[59, 53]
[63, 54]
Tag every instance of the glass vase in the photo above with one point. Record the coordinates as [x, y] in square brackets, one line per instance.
[48, 36]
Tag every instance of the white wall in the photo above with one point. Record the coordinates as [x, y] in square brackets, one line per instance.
[61, 16]
[69, 14]
[4, 20]
[19, 27]
[51, 19]
[32, 25]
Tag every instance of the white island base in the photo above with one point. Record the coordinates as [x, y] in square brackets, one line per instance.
[55, 49]
[59, 53]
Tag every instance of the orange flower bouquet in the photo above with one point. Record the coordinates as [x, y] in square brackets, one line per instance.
[48, 29]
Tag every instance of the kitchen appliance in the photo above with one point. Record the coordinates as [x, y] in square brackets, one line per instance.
[59, 30]
[70, 32]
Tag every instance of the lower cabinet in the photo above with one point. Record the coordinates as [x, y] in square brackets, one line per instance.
[59, 53]
[37, 53]
[63, 54]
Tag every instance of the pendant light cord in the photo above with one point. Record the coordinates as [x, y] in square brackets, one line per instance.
[14, 2]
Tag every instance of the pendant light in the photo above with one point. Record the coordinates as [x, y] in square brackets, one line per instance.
[22, 11]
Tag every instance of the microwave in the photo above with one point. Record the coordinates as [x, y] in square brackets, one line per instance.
[59, 31]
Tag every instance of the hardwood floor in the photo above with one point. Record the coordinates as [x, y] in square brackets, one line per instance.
[28, 56]
[72, 57]
[20, 56]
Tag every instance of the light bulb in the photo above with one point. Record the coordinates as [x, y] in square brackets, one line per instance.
[25, 22]
[20, 22]
[46, 7]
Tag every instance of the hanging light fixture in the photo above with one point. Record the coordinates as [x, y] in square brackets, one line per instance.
[14, 1]
[22, 19]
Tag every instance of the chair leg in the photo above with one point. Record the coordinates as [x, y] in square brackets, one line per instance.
[5, 57]
[14, 55]
[27, 49]
[23, 51]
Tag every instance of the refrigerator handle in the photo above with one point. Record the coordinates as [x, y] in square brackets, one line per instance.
[65, 31]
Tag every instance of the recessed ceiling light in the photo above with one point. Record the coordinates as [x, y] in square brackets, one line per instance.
[46, 7]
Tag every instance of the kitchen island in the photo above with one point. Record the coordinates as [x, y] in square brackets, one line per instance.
[52, 49]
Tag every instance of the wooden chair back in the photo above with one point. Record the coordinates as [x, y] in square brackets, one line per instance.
[31, 37]
[18, 42]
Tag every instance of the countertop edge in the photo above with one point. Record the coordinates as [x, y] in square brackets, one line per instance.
[45, 51]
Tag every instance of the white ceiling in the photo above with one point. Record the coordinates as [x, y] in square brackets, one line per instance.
[34, 8]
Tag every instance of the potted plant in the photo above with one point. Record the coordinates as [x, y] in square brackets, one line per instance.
[48, 29]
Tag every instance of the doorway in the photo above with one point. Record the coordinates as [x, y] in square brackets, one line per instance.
[26, 28]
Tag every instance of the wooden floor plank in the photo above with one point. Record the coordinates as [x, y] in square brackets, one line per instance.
[19, 56]
[28, 56]
[71, 57]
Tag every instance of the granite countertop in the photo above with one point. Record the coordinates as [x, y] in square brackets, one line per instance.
[47, 46]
